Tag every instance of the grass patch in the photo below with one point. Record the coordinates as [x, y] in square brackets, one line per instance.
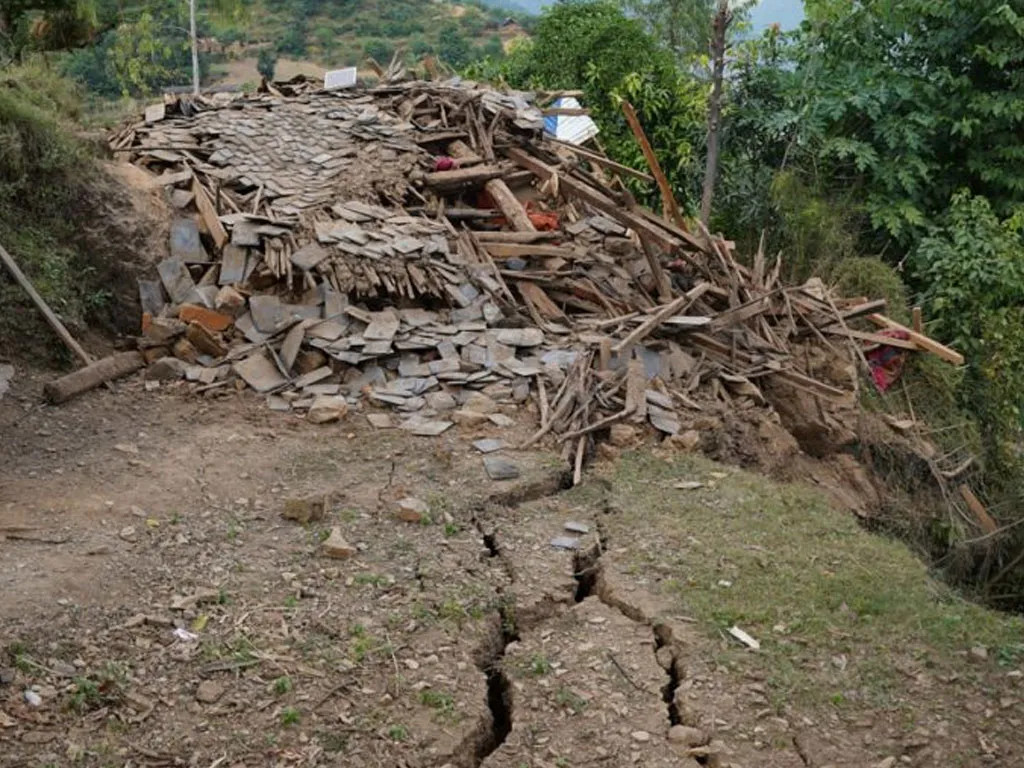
[836, 609]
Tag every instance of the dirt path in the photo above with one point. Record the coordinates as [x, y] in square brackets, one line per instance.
[160, 611]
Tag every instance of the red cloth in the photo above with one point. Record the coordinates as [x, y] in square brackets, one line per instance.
[887, 362]
[445, 163]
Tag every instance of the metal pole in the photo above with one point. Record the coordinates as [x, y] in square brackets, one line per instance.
[195, 46]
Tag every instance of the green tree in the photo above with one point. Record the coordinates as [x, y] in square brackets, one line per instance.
[327, 39]
[266, 63]
[453, 47]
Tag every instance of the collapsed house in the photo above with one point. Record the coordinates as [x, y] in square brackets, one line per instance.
[424, 252]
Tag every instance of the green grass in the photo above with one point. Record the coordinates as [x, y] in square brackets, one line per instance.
[836, 609]
[442, 702]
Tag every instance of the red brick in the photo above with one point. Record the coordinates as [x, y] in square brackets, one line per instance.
[212, 321]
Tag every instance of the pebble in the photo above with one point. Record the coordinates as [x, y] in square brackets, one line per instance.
[209, 692]
[641, 736]
[684, 734]
[979, 653]
[33, 699]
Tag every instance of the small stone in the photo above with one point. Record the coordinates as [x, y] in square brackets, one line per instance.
[574, 527]
[38, 737]
[412, 510]
[183, 349]
[608, 452]
[440, 401]
[466, 418]
[565, 542]
[309, 360]
[166, 369]
[327, 408]
[622, 435]
[500, 469]
[686, 441]
[979, 653]
[478, 402]
[380, 420]
[127, 533]
[889, 762]
[7, 675]
[641, 736]
[209, 692]
[687, 736]
[33, 699]
[63, 669]
[489, 445]
[335, 546]
[229, 300]
[501, 420]
[303, 510]
[665, 657]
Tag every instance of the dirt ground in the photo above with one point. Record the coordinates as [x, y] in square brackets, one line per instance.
[159, 611]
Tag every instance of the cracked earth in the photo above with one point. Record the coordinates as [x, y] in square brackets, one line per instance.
[162, 612]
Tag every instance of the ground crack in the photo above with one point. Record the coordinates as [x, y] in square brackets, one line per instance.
[499, 689]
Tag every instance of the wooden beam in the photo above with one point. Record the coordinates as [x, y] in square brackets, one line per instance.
[463, 177]
[514, 250]
[43, 307]
[601, 160]
[988, 525]
[565, 111]
[93, 375]
[588, 194]
[925, 343]
[668, 200]
[918, 322]
[503, 197]
[209, 213]
[516, 237]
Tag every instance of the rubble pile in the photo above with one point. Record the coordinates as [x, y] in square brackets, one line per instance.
[424, 246]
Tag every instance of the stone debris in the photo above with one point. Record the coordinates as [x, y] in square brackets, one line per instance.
[500, 469]
[335, 546]
[209, 692]
[421, 246]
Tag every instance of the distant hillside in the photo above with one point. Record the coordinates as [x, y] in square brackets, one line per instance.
[327, 33]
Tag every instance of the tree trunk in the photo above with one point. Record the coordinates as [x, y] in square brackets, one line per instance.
[195, 46]
[721, 24]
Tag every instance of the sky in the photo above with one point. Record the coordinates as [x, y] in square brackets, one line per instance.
[788, 13]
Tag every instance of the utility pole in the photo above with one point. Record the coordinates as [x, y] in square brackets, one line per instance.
[723, 17]
[195, 46]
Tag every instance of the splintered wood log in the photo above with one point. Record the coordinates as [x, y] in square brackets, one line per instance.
[668, 200]
[586, 193]
[503, 197]
[517, 237]
[209, 215]
[44, 308]
[659, 317]
[462, 177]
[92, 376]
[988, 525]
[922, 341]
[512, 250]
[601, 160]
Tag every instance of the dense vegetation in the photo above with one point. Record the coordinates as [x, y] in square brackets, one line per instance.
[877, 146]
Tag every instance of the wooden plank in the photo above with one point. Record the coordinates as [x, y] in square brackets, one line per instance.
[659, 317]
[668, 200]
[209, 214]
[517, 237]
[872, 338]
[589, 195]
[602, 161]
[565, 112]
[51, 318]
[463, 177]
[535, 295]
[988, 525]
[918, 323]
[925, 343]
[503, 197]
[518, 250]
